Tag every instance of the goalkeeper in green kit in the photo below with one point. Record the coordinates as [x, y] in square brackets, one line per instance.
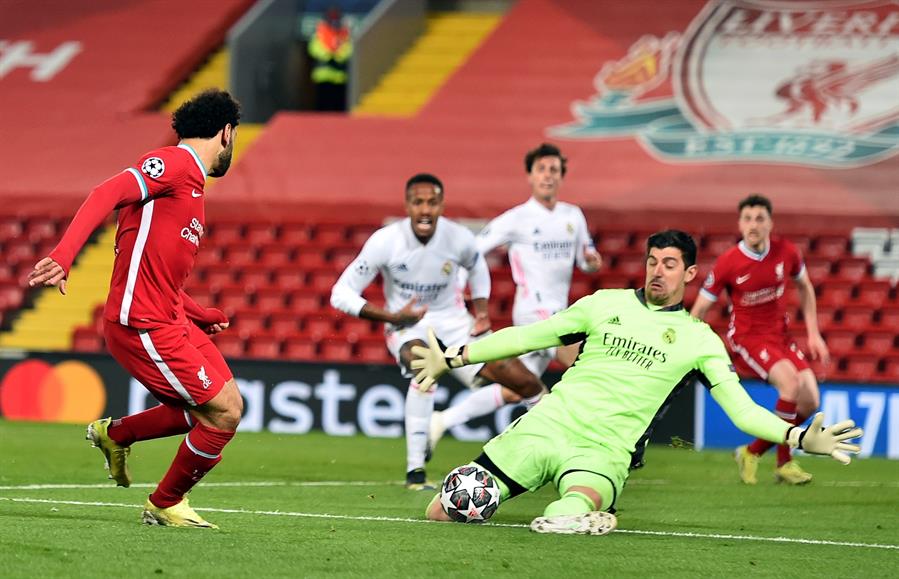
[637, 346]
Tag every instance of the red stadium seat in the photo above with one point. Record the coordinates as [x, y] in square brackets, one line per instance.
[230, 345]
[226, 233]
[309, 260]
[873, 293]
[831, 247]
[19, 250]
[853, 268]
[317, 325]
[259, 234]
[880, 343]
[355, 328]
[239, 255]
[861, 367]
[300, 347]
[889, 318]
[580, 287]
[219, 275]
[10, 228]
[818, 270]
[497, 307]
[359, 234]
[202, 294]
[890, 369]
[802, 242]
[840, 342]
[305, 301]
[255, 276]
[336, 349]
[373, 350]
[715, 244]
[502, 287]
[249, 321]
[232, 298]
[613, 242]
[42, 229]
[264, 346]
[323, 280]
[86, 339]
[288, 279]
[284, 323]
[855, 318]
[270, 298]
[615, 281]
[835, 292]
[330, 233]
[631, 264]
[11, 297]
[341, 257]
[295, 234]
[276, 255]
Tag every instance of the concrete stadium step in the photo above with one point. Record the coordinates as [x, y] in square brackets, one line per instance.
[50, 323]
[448, 41]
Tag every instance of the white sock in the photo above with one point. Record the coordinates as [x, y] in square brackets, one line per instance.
[482, 401]
[419, 407]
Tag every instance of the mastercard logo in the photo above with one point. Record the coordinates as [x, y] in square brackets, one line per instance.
[70, 391]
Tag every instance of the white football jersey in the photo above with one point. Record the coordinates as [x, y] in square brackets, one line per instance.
[425, 272]
[543, 247]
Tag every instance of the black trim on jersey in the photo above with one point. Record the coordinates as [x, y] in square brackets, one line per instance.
[641, 295]
[515, 489]
[698, 376]
[569, 339]
[614, 489]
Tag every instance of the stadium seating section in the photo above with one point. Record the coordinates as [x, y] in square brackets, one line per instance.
[274, 281]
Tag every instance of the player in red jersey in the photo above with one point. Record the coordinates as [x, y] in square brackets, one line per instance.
[755, 273]
[152, 327]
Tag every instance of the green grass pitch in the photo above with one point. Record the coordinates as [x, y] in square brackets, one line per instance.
[318, 506]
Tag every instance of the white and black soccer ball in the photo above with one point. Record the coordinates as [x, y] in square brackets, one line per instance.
[469, 494]
[154, 167]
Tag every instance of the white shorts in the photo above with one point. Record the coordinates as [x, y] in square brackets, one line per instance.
[452, 331]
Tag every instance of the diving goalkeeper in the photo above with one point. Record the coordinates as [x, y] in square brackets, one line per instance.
[638, 344]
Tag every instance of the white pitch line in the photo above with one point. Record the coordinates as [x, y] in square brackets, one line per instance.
[322, 483]
[508, 525]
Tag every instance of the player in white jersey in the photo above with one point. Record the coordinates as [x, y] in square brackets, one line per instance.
[419, 259]
[545, 239]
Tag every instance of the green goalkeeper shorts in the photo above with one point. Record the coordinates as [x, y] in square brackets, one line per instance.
[536, 449]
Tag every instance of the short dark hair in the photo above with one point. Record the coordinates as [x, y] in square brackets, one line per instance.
[424, 178]
[206, 114]
[545, 150]
[674, 238]
[756, 200]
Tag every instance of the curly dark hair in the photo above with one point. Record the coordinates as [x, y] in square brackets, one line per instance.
[545, 150]
[756, 200]
[424, 178]
[206, 114]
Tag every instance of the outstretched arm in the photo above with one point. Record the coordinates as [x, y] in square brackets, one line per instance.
[109, 195]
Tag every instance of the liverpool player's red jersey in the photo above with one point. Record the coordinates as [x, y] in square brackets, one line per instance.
[161, 221]
[756, 284]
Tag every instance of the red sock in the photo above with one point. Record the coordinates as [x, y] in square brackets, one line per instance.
[157, 422]
[786, 411]
[199, 452]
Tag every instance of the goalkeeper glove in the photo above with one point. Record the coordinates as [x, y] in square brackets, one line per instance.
[434, 361]
[818, 440]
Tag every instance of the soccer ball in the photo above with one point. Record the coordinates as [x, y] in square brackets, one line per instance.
[469, 494]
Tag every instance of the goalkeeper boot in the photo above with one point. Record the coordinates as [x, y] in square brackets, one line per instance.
[435, 432]
[417, 480]
[179, 515]
[748, 464]
[592, 523]
[116, 455]
[792, 474]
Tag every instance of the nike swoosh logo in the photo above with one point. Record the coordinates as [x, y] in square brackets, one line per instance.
[743, 278]
[194, 193]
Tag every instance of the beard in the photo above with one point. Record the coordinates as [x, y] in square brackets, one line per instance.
[223, 162]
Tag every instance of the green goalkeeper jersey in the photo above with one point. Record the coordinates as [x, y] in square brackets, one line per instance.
[633, 355]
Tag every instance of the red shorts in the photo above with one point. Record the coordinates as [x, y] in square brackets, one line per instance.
[179, 365]
[755, 355]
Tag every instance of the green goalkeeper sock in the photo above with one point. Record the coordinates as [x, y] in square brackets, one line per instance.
[572, 503]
